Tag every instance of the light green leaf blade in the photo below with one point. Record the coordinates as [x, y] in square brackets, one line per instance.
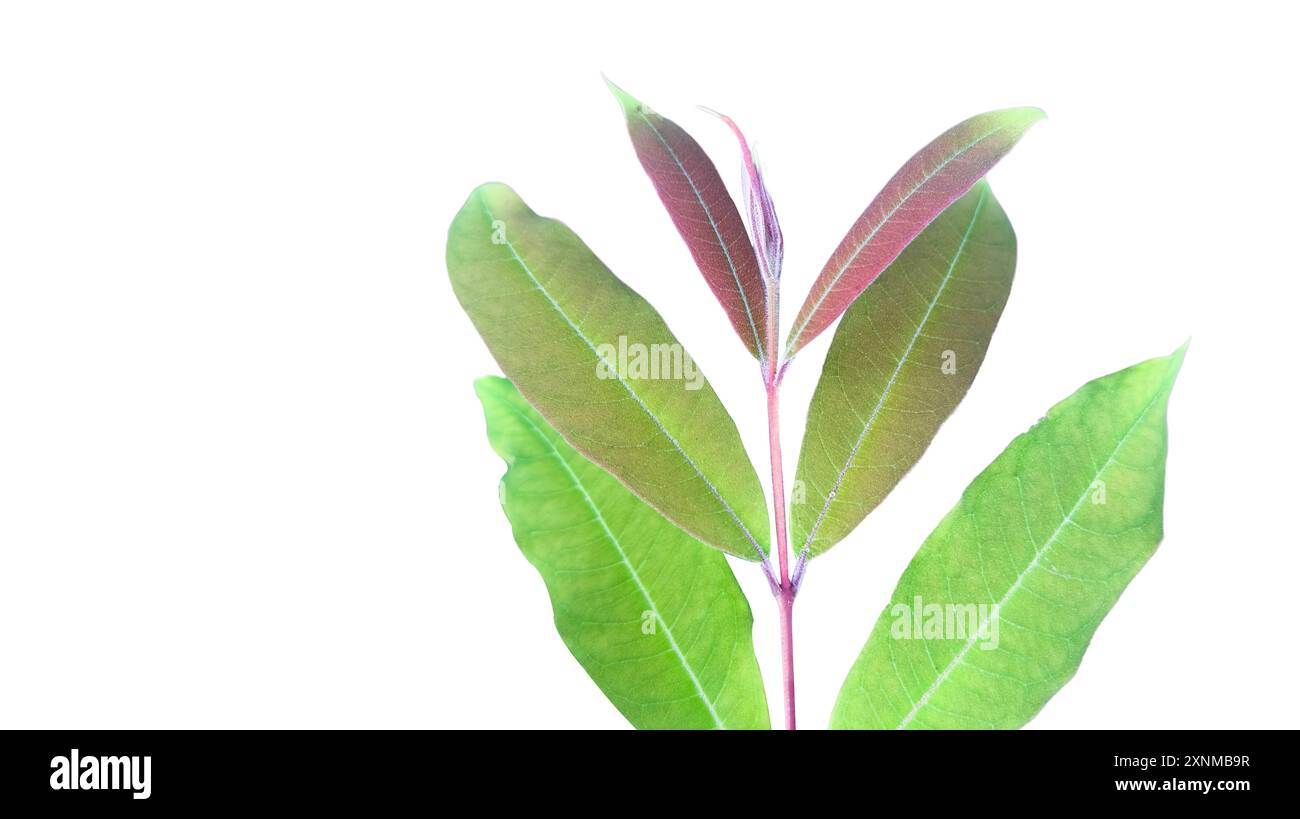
[655, 618]
[902, 358]
[603, 368]
[1050, 533]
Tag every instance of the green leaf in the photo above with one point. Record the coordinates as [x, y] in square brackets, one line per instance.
[1044, 540]
[656, 619]
[902, 359]
[604, 369]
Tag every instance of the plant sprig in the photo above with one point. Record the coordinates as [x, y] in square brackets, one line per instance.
[624, 466]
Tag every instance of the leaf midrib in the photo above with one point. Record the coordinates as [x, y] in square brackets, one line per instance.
[631, 570]
[1039, 553]
[555, 305]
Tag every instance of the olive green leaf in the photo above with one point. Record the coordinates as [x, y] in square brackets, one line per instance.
[603, 368]
[902, 358]
[655, 618]
[996, 610]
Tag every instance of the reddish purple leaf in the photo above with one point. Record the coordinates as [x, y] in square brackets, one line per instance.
[705, 216]
[934, 178]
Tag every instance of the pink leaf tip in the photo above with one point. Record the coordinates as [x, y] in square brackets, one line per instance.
[764, 225]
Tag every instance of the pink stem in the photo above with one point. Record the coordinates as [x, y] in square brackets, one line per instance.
[787, 655]
[785, 594]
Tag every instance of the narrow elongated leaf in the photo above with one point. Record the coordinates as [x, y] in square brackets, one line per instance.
[930, 181]
[655, 618]
[600, 364]
[996, 610]
[705, 215]
[901, 360]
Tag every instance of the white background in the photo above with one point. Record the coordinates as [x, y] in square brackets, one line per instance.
[243, 475]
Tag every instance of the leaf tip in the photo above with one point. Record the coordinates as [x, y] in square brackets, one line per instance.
[735, 129]
[1027, 115]
[706, 109]
[488, 192]
[1020, 119]
[489, 385]
[1176, 358]
[1168, 366]
[496, 199]
[630, 104]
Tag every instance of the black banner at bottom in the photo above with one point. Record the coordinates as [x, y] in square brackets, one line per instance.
[147, 770]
